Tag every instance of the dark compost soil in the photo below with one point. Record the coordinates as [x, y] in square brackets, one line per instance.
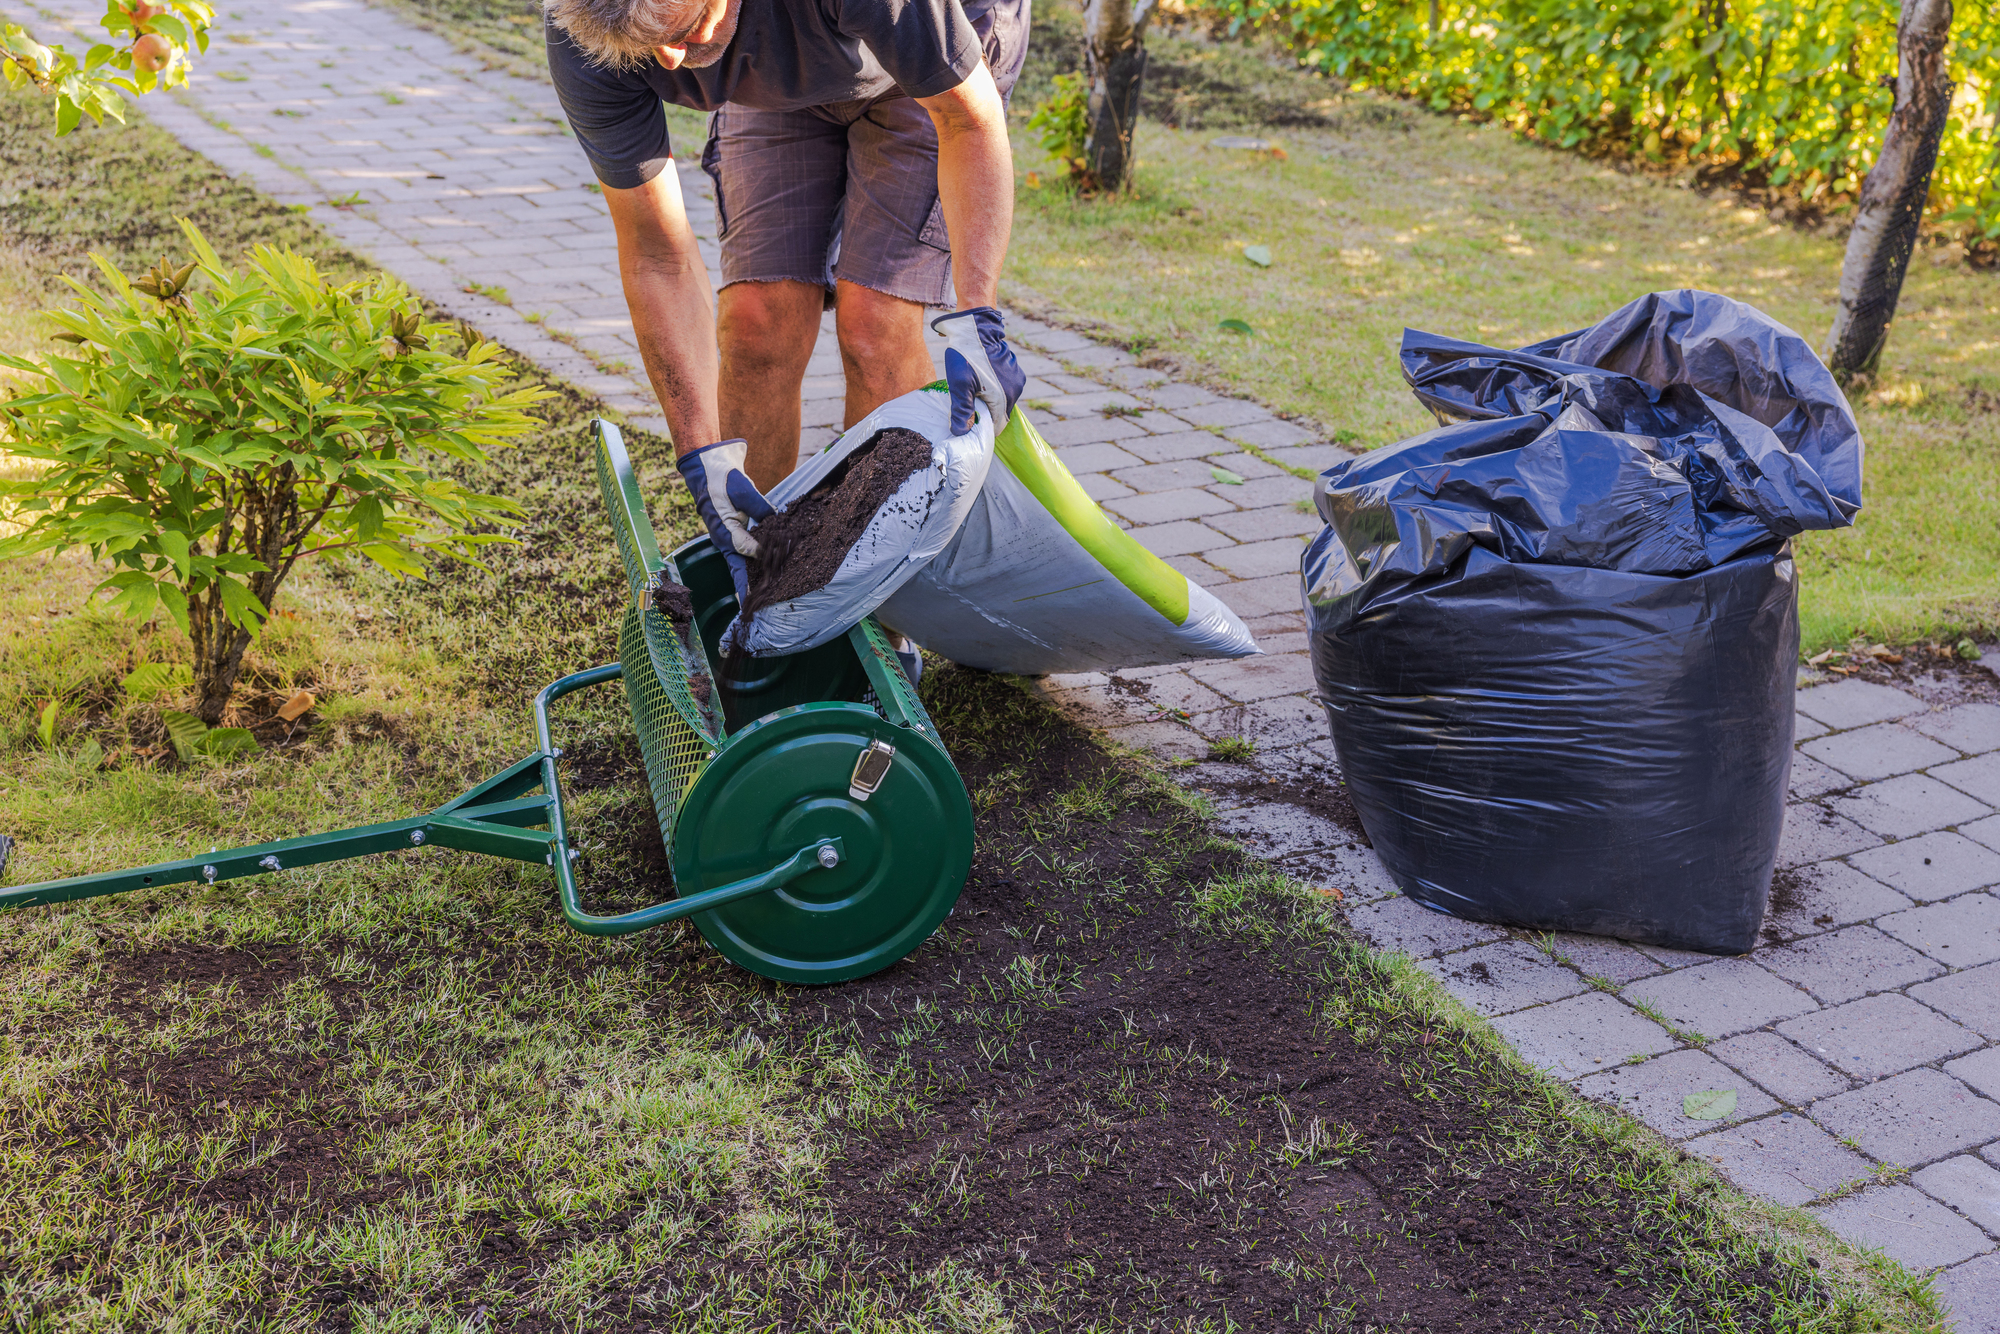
[1158, 1108]
[800, 549]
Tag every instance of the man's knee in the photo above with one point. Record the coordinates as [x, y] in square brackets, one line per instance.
[879, 334]
[767, 325]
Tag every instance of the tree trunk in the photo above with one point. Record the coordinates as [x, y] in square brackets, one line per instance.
[1893, 194]
[1114, 56]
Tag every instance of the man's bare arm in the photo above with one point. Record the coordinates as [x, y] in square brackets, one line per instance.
[976, 184]
[673, 313]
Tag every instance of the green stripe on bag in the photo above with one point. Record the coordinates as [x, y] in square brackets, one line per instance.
[1028, 456]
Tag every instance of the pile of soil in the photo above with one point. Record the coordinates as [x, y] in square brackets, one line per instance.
[800, 549]
[674, 602]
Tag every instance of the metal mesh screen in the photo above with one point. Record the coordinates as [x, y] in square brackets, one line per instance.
[675, 751]
[674, 732]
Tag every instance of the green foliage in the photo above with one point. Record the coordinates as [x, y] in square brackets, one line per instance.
[204, 442]
[1063, 122]
[155, 39]
[1789, 91]
[149, 679]
[191, 737]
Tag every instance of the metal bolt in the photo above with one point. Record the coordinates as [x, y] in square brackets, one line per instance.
[828, 857]
[209, 873]
[271, 863]
[417, 836]
[574, 854]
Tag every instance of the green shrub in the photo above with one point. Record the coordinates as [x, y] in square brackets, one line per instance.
[153, 43]
[1790, 91]
[1063, 122]
[205, 442]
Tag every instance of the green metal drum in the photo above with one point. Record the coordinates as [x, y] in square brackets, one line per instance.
[817, 829]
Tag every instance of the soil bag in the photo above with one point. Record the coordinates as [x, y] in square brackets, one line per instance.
[886, 544]
[1558, 636]
[1039, 579]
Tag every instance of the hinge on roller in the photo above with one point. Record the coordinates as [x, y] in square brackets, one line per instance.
[870, 768]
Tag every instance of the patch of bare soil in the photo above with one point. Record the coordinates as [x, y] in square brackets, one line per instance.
[300, 1155]
[1158, 1110]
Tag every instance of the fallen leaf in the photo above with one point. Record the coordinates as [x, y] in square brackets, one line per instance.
[1819, 658]
[1224, 476]
[1034, 180]
[1709, 1104]
[1260, 255]
[297, 706]
[1330, 893]
[1235, 326]
[1278, 152]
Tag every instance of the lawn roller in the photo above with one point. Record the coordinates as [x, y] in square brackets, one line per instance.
[817, 829]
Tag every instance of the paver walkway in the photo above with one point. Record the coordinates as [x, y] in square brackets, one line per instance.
[1862, 1040]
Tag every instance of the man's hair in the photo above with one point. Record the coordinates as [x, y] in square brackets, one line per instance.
[619, 33]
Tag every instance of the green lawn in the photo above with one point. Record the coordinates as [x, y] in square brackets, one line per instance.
[1382, 216]
[400, 1094]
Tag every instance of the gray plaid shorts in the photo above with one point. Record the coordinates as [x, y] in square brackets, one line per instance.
[847, 191]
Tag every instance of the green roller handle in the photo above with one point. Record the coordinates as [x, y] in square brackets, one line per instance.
[488, 818]
[822, 853]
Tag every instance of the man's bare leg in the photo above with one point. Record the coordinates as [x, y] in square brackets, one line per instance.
[881, 347]
[766, 332]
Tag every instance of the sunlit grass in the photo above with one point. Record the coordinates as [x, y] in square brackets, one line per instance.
[1392, 217]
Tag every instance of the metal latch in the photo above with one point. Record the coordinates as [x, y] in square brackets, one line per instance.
[870, 768]
[642, 600]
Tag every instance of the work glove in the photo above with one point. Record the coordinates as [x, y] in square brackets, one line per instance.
[728, 503]
[978, 364]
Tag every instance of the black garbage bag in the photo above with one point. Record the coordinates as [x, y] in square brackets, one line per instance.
[1557, 637]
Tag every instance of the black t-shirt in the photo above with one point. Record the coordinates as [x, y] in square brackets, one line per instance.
[787, 55]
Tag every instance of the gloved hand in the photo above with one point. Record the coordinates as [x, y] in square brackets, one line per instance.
[979, 364]
[728, 503]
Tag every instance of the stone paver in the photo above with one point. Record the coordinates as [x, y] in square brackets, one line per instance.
[1932, 866]
[1907, 1225]
[1654, 1091]
[1980, 777]
[1722, 998]
[1815, 833]
[1506, 976]
[1879, 1035]
[1846, 965]
[1962, 931]
[1784, 1158]
[1967, 1185]
[1781, 1067]
[1849, 704]
[1911, 804]
[1971, 1292]
[1827, 895]
[1582, 1035]
[1913, 1119]
[473, 184]
[1881, 751]
[1971, 997]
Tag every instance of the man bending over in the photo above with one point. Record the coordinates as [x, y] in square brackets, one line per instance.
[860, 159]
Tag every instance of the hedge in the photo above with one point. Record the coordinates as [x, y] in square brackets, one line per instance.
[1793, 92]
